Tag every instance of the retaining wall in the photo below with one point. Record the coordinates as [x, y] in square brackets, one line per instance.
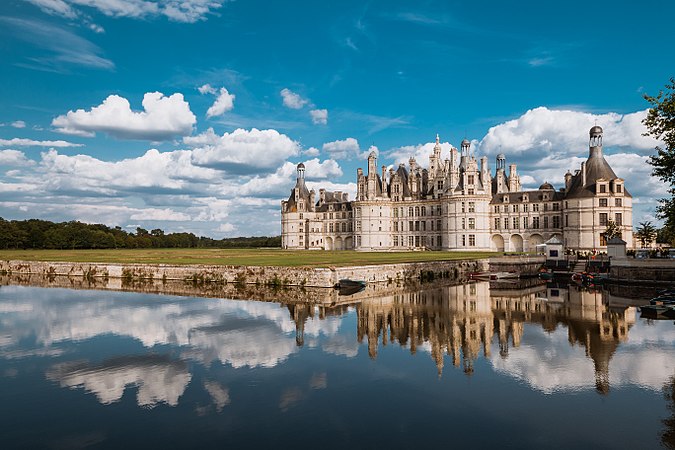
[260, 275]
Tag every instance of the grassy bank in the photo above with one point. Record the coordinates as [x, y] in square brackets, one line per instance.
[243, 257]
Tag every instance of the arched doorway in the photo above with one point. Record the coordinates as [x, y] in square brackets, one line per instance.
[516, 243]
[329, 243]
[349, 243]
[498, 243]
[339, 244]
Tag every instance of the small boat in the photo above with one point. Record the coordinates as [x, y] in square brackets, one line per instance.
[545, 276]
[350, 287]
[662, 301]
[347, 283]
[493, 276]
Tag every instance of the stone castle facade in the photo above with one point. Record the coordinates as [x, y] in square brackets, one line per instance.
[458, 204]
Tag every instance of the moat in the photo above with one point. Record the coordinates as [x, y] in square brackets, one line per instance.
[484, 365]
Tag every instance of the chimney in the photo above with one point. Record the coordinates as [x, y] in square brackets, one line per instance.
[583, 173]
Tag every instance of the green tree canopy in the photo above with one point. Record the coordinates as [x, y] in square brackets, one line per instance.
[646, 233]
[660, 123]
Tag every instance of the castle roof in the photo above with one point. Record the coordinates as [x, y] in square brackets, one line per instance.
[596, 168]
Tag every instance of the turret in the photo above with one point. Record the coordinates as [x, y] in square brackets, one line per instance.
[568, 181]
[595, 140]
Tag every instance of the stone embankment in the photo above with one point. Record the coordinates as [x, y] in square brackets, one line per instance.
[646, 271]
[247, 275]
[279, 294]
[524, 265]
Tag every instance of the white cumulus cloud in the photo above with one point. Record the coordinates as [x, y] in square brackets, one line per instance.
[342, 149]
[319, 116]
[162, 118]
[14, 158]
[292, 100]
[21, 142]
[224, 103]
[561, 131]
[242, 150]
[206, 89]
[19, 124]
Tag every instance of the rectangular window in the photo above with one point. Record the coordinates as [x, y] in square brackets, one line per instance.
[330, 216]
[464, 240]
[514, 208]
[411, 241]
[545, 206]
[470, 179]
[423, 241]
[603, 188]
[424, 225]
[567, 220]
[545, 221]
[619, 219]
[472, 223]
[330, 227]
[417, 225]
[395, 212]
[470, 191]
[618, 189]
[438, 210]
[438, 241]
[603, 239]
[526, 223]
[515, 222]
[395, 226]
[602, 202]
[395, 241]
[358, 225]
[411, 225]
[417, 241]
[424, 210]
[506, 223]
[603, 219]
[526, 208]
[438, 224]
[463, 223]
[472, 206]
[497, 224]
[617, 202]
[535, 222]
[556, 207]
[556, 221]
[535, 207]
[431, 224]
[463, 207]
[472, 240]
[410, 211]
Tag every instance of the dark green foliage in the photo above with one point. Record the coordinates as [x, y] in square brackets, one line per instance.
[660, 123]
[646, 233]
[42, 234]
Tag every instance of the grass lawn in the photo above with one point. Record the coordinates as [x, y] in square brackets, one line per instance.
[249, 257]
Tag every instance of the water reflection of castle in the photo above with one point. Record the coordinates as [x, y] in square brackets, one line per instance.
[461, 322]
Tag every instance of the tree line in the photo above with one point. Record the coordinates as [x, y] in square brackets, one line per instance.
[43, 234]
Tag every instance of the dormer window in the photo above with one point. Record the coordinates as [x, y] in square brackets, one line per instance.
[470, 179]
[618, 188]
[506, 199]
[602, 188]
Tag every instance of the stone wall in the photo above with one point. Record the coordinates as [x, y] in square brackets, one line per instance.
[244, 275]
[525, 265]
[629, 270]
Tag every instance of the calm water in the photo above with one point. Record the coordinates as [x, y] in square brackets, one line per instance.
[452, 366]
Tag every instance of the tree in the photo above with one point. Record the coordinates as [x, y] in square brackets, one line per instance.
[646, 232]
[660, 123]
[612, 230]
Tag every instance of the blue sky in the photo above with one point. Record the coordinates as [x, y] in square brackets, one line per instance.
[191, 115]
